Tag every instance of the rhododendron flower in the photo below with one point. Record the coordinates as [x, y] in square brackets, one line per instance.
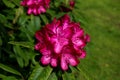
[61, 43]
[36, 6]
[72, 3]
[67, 9]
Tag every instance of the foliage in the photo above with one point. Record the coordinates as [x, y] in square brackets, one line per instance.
[18, 59]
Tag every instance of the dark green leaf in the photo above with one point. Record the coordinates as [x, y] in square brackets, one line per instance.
[18, 12]
[16, 2]
[0, 41]
[45, 73]
[8, 3]
[20, 61]
[9, 78]
[53, 76]
[36, 72]
[2, 76]
[27, 33]
[44, 19]
[23, 19]
[77, 73]
[68, 76]
[2, 18]
[20, 55]
[34, 24]
[40, 73]
[37, 22]
[9, 69]
[23, 44]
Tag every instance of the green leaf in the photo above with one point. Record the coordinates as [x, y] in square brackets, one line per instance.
[9, 78]
[27, 33]
[9, 69]
[16, 2]
[20, 61]
[23, 44]
[37, 22]
[45, 73]
[2, 18]
[53, 76]
[2, 76]
[68, 76]
[40, 73]
[18, 12]
[8, 3]
[23, 19]
[36, 72]
[77, 73]
[20, 55]
[44, 19]
[0, 41]
[73, 74]
[34, 24]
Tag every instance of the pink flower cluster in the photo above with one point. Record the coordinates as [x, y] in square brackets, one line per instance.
[61, 43]
[72, 3]
[70, 8]
[36, 7]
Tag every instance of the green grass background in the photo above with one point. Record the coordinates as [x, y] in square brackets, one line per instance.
[101, 20]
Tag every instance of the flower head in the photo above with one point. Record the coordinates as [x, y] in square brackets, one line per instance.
[72, 3]
[36, 6]
[61, 43]
[68, 7]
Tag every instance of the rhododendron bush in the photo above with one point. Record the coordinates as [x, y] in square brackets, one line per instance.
[41, 40]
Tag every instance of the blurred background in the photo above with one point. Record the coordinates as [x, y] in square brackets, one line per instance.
[101, 20]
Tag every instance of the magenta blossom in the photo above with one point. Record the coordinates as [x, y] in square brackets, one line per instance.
[72, 3]
[36, 7]
[69, 7]
[61, 43]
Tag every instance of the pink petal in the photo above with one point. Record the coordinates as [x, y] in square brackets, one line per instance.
[60, 44]
[64, 64]
[65, 18]
[29, 11]
[37, 46]
[39, 36]
[73, 61]
[45, 60]
[65, 21]
[54, 25]
[87, 38]
[57, 48]
[79, 33]
[42, 9]
[47, 1]
[39, 0]
[35, 11]
[72, 3]
[44, 51]
[67, 33]
[22, 3]
[54, 62]
[29, 2]
[78, 42]
[83, 54]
